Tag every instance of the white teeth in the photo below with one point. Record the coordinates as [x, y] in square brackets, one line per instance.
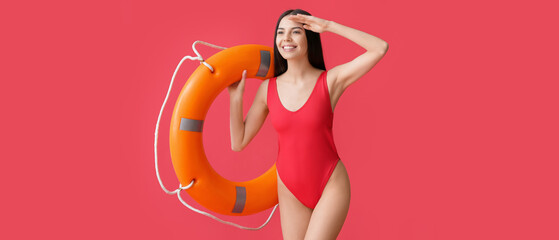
[288, 47]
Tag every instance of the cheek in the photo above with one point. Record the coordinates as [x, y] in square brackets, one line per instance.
[303, 40]
[304, 44]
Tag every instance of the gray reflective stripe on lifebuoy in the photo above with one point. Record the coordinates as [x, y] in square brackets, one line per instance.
[192, 125]
[241, 199]
[265, 60]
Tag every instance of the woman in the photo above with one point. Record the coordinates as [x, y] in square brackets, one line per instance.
[313, 184]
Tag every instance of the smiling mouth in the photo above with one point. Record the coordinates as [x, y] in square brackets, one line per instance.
[288, 48]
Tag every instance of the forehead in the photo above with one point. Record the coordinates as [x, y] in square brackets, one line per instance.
[288, 24]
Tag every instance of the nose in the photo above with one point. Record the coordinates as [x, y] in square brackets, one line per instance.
[287, 37]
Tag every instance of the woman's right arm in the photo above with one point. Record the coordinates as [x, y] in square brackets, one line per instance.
[242, 132]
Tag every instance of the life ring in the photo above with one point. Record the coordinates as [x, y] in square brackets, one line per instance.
[210, 189]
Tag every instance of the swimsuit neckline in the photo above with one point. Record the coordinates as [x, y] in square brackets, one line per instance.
[304, 104]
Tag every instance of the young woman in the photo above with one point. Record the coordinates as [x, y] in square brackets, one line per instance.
[313, 184]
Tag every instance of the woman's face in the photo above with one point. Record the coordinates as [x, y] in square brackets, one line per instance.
[291, 40]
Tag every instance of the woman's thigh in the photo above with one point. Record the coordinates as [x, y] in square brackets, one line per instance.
[331, 211]
[294, 215]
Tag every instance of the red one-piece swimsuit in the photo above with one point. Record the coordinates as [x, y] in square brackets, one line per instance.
[307, 155]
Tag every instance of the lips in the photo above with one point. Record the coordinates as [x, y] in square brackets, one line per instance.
[288, 48]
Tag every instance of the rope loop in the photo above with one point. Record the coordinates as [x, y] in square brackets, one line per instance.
[186, 187]
[200, 56]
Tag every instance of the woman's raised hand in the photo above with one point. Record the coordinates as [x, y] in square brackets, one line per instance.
[237, 89]
[310, 22]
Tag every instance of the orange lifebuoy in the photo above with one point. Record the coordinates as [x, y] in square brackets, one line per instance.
[187, 151]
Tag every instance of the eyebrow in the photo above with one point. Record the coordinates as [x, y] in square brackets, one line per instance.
[291, 28]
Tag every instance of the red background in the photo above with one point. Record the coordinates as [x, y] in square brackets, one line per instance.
[453, 135]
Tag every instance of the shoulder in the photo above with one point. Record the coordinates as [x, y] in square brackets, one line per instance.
[265, 83]
[332, 74]
[262, 92]
[334, 85]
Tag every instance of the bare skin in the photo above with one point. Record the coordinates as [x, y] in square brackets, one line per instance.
[294, 88]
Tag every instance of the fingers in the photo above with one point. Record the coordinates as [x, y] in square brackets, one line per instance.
[238, 87]
[311, 23]
[243, 78]
[298, 18]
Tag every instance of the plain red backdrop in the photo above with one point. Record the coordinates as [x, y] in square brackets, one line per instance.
[453, 135]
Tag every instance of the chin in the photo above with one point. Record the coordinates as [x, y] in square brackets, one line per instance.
[292, 56]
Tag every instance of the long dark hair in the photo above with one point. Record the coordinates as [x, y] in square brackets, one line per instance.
[314, 46]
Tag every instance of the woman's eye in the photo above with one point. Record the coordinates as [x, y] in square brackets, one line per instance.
[280, 32]
[296, 32]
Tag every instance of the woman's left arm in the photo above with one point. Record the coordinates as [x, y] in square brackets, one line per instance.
[346, 74]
